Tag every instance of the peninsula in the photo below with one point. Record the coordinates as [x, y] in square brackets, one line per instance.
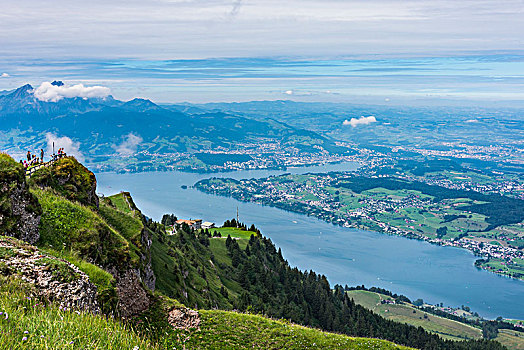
[490, 225]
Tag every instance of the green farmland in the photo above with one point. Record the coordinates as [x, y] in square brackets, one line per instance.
[406, 313]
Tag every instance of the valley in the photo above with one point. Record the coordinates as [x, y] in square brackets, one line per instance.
[467, 195]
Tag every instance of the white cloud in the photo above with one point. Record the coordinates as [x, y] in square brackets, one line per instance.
[71, 147]
[289, 92]
[52, 93]
[4, 75]
[360, 121]
[129, 145]
[472, 121]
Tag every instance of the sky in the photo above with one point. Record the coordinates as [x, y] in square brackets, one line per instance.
[214, 50]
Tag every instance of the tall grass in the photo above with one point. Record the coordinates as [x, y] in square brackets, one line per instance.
[26, 323]
[244, 331]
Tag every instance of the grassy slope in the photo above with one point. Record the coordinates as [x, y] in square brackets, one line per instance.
[230, 330]
[241, 235]
[122, 218]
[166, 258]
[511, 339]
[446, 328]
[220, 329]
[233, 232]
[73, 226]
[78, 233]
[30, 324]
[123, 202]
[173, 263]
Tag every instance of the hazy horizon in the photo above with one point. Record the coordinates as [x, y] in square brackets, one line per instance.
[398, 52]
[467, 80]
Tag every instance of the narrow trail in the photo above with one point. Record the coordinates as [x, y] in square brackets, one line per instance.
[32, 169]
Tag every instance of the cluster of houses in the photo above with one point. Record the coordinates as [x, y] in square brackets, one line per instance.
[196, 224]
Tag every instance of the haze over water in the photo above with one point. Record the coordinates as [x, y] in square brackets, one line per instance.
[346, 256]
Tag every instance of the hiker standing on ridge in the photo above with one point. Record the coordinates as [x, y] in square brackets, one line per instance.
[42, 155]
[28, 156]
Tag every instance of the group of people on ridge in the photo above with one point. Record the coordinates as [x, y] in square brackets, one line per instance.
[33, 159]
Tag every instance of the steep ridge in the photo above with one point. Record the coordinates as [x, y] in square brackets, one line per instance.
[72, 223]
[125, 217]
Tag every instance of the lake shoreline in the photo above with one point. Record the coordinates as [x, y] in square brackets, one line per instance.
[345, 256]
[375, 228]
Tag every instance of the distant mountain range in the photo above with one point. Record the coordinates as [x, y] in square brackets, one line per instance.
[106, 127]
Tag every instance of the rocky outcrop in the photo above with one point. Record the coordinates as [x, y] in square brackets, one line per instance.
[133, 298]
[52, 279]
[70, 179]
[183, 318]
[146, 272]
[19, 210]
[147, 276]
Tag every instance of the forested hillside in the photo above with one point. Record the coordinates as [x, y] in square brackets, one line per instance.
[245, 271]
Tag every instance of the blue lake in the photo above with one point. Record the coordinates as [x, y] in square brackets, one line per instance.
[346, 256]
